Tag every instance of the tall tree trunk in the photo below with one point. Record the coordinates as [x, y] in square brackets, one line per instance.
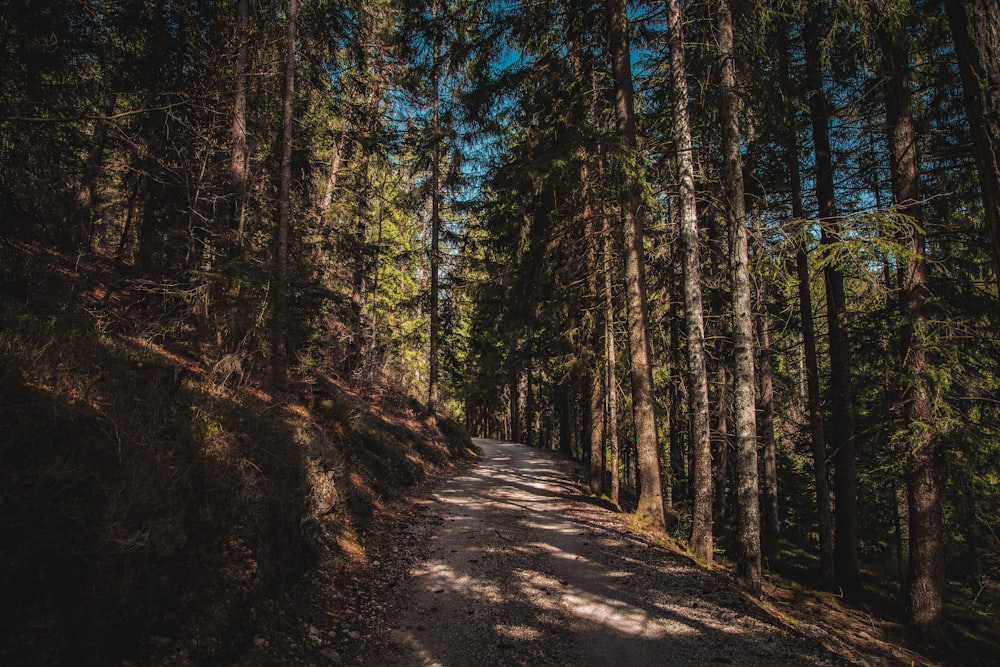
[515, 400]
[721, 444]
[846, 566]
[279, 360]
[594, 427]
[611, 356]
[238, 132]
[331, 177]
[565, 435]
[977, 45]
[814, 406]
[432, 392]
[771, 525]
[679, 425]
[770, 521]
[529, 400]
[650, 507]
[593, 380]
[702, 542]
[922, 469]
[744, 383]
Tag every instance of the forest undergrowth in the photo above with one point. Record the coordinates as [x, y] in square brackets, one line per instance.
[153, 494]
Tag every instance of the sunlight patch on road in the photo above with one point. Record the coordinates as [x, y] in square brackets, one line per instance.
[441, 577]
[519, 632]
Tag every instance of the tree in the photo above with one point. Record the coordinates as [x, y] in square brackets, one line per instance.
[847, 569]
[238, 134]
[923, 476]
[748, 507]
[279, 359]
[701, 448]
[643, 404]
[977, 45]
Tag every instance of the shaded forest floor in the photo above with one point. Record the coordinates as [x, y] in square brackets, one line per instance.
[154, 495]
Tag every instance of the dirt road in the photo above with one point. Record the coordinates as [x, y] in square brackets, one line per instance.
[515, 566]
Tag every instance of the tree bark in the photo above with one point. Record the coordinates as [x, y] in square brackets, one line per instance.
[813, 399]
[331, 177]
[744, 382]
[846, 565]
[565, 435]
[702, 542]
[922, 470]
[814, 407]
[238, 132]
[279, 360]
[650, 507]
[611, 357]
[770, 522]
[720, 447]
[432, 390]
[977, 45]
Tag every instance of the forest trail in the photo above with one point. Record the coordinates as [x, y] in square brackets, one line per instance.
[512, 564]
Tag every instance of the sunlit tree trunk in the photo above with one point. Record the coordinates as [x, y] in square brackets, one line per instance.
[650, 507]
[331, 177]
[702, 542]
[744, 383]
[977, 45]
[279, 360]
[238, 131]
[846, 565]
[922, 471]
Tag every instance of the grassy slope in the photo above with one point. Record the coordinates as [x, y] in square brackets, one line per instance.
[145, 506]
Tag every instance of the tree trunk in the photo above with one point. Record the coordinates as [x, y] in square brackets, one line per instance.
[611, 356]
[529, 400]
[515, 400]
[565, 438]
[813, 399]
[432, 392]
[977, 45]
[721, 444]
[279, 360]
[846, 566]
[744, 383]
[701, 449]
[593, 407]
[771, 525]
[238, 132]
[331, 177]
[594, 384]
[922, 469]
[650, 508]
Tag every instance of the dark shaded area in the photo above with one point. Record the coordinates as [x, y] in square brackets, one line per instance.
[148, 511]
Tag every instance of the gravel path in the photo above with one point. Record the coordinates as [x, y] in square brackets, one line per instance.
[511, 564]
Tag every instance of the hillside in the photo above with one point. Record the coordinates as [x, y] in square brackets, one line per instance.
[153, 497]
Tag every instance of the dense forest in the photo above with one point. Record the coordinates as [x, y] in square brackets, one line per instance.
[739, 257]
